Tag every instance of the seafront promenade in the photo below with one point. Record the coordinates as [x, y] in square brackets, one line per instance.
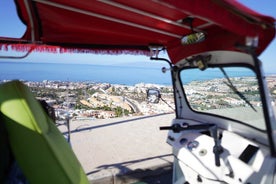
[123, 150]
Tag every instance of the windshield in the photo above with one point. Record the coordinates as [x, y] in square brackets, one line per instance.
[231, 92]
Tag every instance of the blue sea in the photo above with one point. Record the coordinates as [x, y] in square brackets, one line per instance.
[114, 74]
[127, 75]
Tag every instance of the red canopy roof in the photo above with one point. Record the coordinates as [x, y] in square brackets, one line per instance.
[119, 25]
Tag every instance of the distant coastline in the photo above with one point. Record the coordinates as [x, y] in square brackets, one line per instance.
[113, 74]
[125, 75]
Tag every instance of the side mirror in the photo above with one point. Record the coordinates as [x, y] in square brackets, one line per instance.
[153, 95]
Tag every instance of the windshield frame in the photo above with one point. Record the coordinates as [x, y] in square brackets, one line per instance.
[237, 65]
[230, 58]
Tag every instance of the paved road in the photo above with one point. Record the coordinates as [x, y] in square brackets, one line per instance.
[123, 150]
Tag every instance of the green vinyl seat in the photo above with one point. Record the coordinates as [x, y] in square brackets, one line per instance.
[39, 148]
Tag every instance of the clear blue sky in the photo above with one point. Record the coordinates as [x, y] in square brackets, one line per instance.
[13, 28]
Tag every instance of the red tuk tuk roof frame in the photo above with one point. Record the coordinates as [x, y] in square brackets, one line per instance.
[120, 26]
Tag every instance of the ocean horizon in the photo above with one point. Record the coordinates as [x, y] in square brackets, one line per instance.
[113, 74]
